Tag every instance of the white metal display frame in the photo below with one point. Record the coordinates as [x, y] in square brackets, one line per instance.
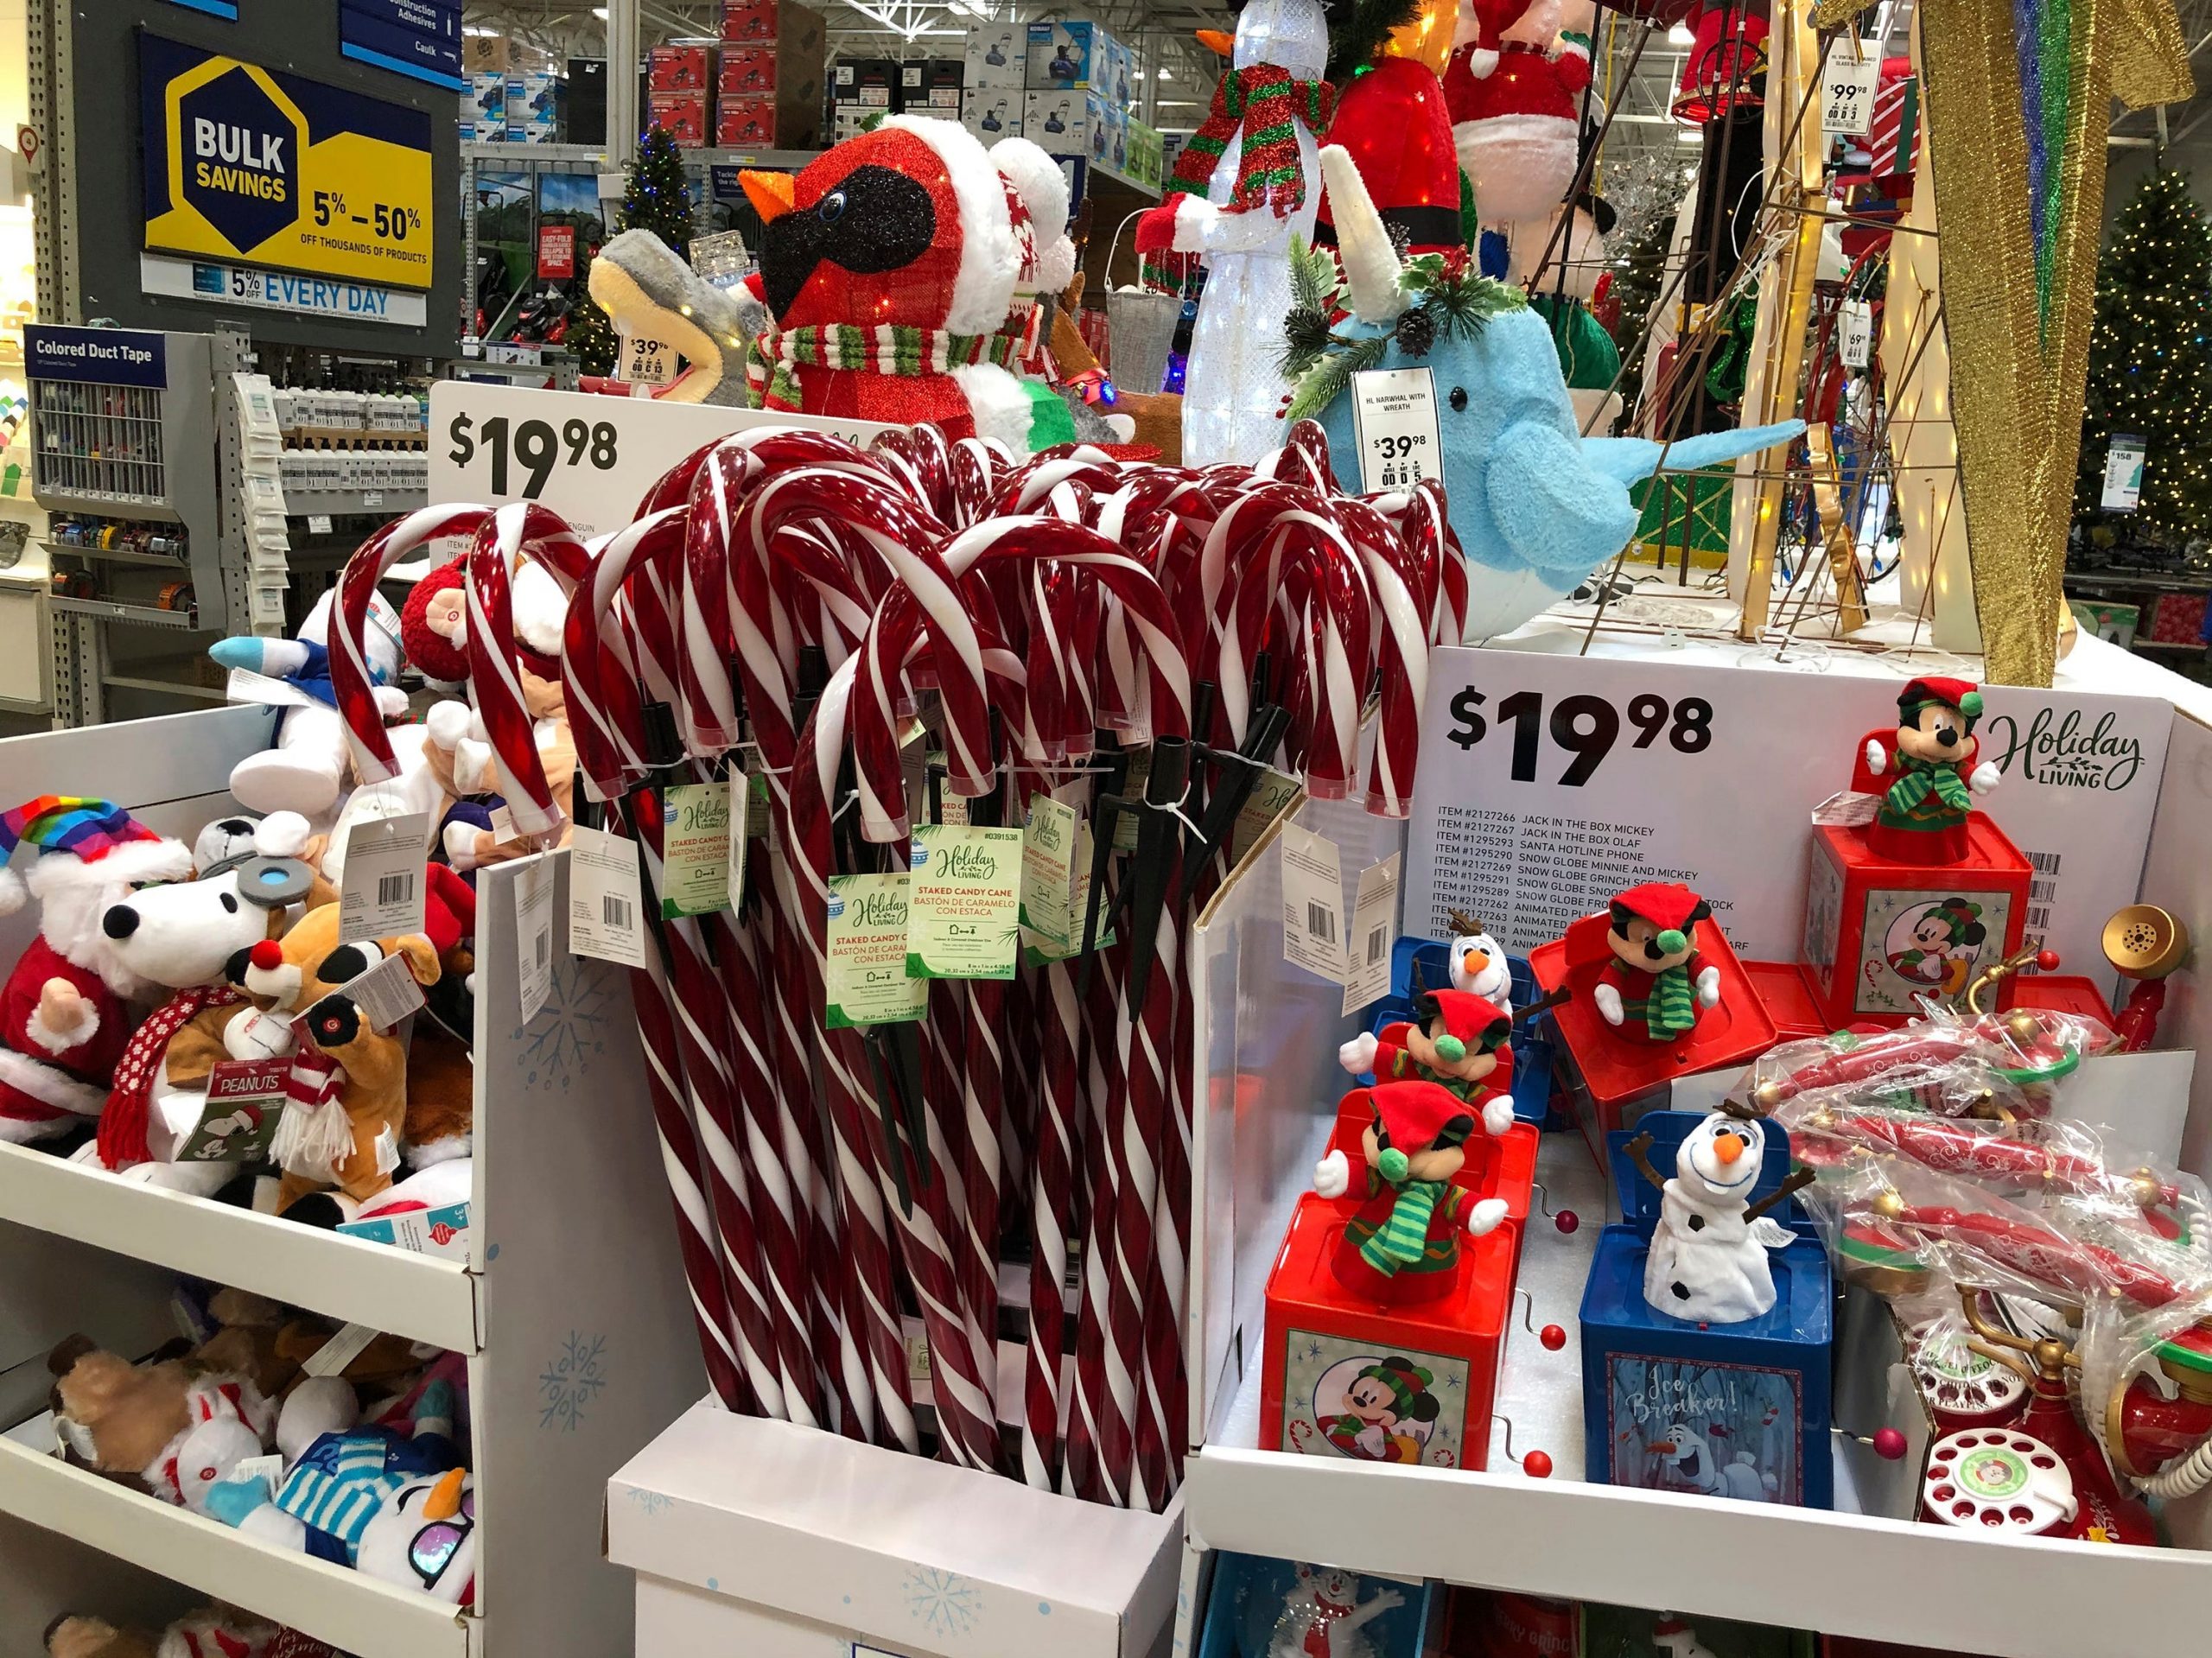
[595, 1349]
[1268, 1036]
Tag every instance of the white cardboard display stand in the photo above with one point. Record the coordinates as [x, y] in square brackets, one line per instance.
[1267, 1040]
[577, 1352]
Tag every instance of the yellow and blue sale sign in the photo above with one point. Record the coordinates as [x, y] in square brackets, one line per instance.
[244, 163]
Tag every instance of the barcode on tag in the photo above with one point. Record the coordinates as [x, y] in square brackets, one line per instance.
[534, 936]
[1377, 938]
[381, 894]
[544, 951]
[605, 890]
[614, 912]
[1321, 922]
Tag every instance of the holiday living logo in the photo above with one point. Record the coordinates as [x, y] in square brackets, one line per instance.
[2066, 751]
[965, 860]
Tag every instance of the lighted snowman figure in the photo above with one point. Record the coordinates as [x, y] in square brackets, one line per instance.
[1677, 1639]
[1477, 962]
[1708, 1259]
[1324, 1616]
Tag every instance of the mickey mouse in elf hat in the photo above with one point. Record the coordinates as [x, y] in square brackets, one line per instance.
[1946, 939]
[1404, 1241]
[1456, 1038]
[1383, 1395]
[1922, 818]
[1657, 984]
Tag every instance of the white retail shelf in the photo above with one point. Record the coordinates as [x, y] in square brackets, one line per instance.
[361, 1615]
[416, 1296]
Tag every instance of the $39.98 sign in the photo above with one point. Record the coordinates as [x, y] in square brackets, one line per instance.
[588, 457]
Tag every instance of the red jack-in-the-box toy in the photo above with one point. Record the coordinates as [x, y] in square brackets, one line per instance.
[1385, 1319]
[1654, 992]
[1928, 893]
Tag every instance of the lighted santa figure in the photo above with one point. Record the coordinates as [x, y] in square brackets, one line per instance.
[1657, 984]
[1708, 1257]
[1402, 1244]
[1936, 769]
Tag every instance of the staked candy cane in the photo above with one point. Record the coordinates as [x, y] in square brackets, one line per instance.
[494, 671]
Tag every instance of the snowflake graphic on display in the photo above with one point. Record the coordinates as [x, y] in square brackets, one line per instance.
[944, 1603]
[571, 1381]
[652, 1502]
[569, 1030]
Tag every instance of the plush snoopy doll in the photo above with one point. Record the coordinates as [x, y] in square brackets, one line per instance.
[1708, 1259]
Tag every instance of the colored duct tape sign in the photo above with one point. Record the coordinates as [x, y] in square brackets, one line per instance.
[243, 162]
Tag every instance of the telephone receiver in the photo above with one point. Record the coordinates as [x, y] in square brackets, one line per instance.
[2146, 944]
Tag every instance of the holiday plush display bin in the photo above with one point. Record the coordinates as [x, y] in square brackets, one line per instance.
[773, 1540]
[1880, 933]
[1737, 1410]
[1322, 1337]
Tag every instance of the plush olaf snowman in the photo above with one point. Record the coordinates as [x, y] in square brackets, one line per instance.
[1708, 1259]
[1477, 962]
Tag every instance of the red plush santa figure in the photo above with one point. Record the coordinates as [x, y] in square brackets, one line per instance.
[1394, 122]
[1657, 984]
[1458, 1039]
[65, 1013]
[1514, 86]
[889, 265]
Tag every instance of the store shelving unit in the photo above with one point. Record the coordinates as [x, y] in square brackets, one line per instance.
[577, 1355]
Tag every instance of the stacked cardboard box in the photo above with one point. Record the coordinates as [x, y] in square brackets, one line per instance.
[676, 91]
[768, 80]
[1080, 84]
[860, 90]
[535, 105]
[994, 81]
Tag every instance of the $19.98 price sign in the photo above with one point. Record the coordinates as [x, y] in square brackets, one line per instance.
[1582, 726]
[520, 456]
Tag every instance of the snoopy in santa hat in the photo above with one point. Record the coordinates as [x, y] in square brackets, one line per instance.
[65, 1008]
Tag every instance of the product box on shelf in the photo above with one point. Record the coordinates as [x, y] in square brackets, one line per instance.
[1069, 123]
[745, 122]
[745, 1538]
[1255, 1606]
[586, 111]
[486, 54]
[1734, 1410]
[866, 83]
[1145, 163]
[751, 20]
[535, 105]
[746, 71]
[683, 116]
[945, 79]
[1066, 53]
[993, 113]
[679, 68]
[487, 98]
[997, 56]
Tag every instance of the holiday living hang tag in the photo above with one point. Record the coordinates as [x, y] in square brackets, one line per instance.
[965, 920]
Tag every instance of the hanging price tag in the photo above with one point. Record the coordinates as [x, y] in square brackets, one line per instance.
[694, 854]
[1374, 920]
[2123, 473]
[1132, 781]
[604, 889]
[1393, 427]
[1847, 92]
[867, 980]
[1273, 794]
[1047, 865]
[533, 936]
[643, 360]
[741, 816]
[381, 895]
[385, 994]
[1313, 904]
[965, 918]
[1854, 333]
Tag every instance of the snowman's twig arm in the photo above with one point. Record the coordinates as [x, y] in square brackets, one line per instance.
[1797, 1181]
[1638, 1150]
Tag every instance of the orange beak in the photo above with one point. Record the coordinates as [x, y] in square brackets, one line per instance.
[770, 194]
[1219, 41]
[1728, 1147]
[444, 1500]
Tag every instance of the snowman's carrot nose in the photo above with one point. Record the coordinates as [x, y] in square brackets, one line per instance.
[1475, 959]
[1728, 1146]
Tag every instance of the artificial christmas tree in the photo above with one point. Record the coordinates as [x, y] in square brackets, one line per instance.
[658, 199]
[1636, 279]
[2150, 363]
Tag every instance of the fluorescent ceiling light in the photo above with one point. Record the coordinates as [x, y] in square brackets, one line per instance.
[599, 12]
[1162, 75]
[1680, 36]
[1690, 135]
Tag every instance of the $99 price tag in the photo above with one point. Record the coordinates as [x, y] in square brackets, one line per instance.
[521, 456]
[1584, 728]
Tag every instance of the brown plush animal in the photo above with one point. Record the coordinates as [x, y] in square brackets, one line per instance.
[116, 1417]
[71, 1636]
[301, 973]
[462, 768]
[1159, 415]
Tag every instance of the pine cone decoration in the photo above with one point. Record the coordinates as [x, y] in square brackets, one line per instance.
[1416, 332]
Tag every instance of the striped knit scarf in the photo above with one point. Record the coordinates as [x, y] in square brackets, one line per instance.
[1265, 105]
[1403, 1239]
[124, 1123]
[314, 1133]
[773, 360]
[1670, 1008]
[1918, 778]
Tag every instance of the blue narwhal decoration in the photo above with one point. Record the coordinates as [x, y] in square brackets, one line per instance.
[1536, 505]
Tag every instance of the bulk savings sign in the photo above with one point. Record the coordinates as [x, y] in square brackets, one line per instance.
[244, 163]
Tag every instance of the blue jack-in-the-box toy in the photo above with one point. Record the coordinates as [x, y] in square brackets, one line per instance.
[1736, 1409]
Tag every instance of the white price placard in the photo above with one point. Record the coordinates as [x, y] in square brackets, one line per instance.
[1394, 424]
[644, 360]
[2123, 473]
[1854, 333]
[381, 894]
[1847, 92]
[1548, 784]
[591, 459]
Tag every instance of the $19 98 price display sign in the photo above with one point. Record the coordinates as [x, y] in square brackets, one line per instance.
[1584, 727]
[520, 456]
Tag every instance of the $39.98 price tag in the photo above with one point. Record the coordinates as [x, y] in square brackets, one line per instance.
[1585, 727]
[643, 360]
[1393, 419]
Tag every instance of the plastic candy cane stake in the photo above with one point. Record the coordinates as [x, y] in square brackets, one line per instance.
[494, 671]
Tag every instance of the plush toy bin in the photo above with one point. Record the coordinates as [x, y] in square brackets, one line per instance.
[1532, 1043]
[1320, 1335]
[1729, 1410]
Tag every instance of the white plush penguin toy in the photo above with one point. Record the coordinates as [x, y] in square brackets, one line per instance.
[1708, 1259]
[1477, 962]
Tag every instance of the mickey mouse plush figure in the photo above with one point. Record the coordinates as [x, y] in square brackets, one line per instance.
[1935, 762]
[1458, 1043]
[1404, 1241]
[1657, 984]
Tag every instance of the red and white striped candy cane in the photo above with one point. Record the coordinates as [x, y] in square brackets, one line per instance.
[351, 684]
[494, 672]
